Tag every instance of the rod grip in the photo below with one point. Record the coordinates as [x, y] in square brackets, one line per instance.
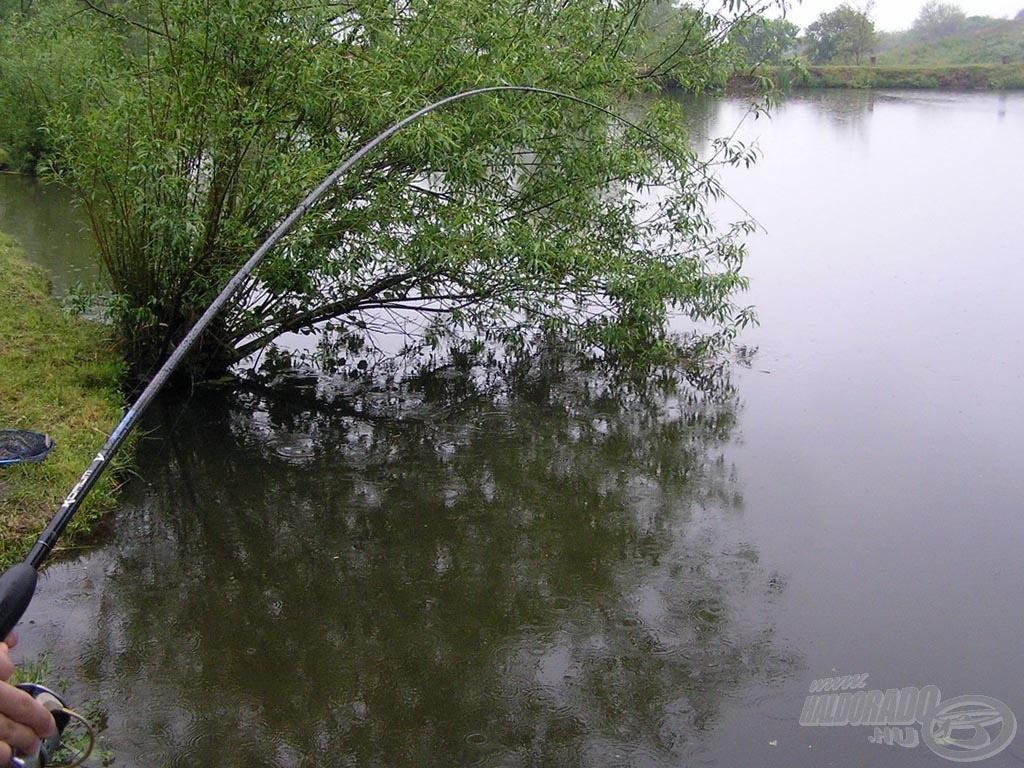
[17, 585]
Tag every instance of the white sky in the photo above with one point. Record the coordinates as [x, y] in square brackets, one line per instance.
[897, 15]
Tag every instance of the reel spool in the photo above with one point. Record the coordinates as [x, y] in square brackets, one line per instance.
[58, 751]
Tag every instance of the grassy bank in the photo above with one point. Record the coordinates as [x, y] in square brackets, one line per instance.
[972, 77]
[58, 375]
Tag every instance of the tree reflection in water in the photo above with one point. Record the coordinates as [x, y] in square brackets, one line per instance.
[449, 573]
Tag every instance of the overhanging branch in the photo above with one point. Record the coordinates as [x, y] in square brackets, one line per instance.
[324, 312]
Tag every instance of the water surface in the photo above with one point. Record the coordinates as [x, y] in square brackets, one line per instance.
[46, 224]
[556, 574]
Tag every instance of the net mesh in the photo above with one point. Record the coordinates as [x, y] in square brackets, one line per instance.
[20, 445]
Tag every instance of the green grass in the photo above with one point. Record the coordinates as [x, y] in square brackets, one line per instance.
[60, 375]
[972, 77]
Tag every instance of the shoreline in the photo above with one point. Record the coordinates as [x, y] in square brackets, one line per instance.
[61, 376]
[972, 77]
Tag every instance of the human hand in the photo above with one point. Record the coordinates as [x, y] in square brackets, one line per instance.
[23, 720]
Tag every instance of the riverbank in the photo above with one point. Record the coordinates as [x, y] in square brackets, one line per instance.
[975, 77]
[59, 375]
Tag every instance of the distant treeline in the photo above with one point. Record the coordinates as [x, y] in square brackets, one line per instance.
[941, 35]
[945, 48]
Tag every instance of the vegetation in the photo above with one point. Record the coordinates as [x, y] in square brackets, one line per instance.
[762, 40]
[977, 40]
[189, 129]
[60, 376]
[945, 48]
[937, 20]
[671, 35]
[844, 35]
[977, 77]
[44, 62]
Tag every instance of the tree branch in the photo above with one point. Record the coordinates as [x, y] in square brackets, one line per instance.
[319, 314]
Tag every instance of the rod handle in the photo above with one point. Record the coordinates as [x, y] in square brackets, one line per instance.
[17, 585]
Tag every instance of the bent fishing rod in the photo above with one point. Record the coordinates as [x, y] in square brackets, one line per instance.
[18, 583]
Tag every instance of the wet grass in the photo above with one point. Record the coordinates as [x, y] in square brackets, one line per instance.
[60, 375]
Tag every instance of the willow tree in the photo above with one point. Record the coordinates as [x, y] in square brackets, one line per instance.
[509, 215]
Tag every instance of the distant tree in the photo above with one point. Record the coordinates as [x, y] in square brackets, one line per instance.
[762, 40]
[842, 35]
[937, 20]
[1020, 15]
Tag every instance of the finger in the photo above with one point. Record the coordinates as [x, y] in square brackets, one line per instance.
[6, 665]
[19, 708]
[11, 639]
[5, 753]
[18, 736]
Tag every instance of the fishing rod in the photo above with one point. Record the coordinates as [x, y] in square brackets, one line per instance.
[18, 583]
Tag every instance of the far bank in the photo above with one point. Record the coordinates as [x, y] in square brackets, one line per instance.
[973, 77]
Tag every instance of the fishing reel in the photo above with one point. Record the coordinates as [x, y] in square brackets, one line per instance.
[56, 751]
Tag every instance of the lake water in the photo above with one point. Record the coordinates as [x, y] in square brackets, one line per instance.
[53, 231]
[559, 576]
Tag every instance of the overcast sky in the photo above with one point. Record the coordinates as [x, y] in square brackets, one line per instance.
[896, 15]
